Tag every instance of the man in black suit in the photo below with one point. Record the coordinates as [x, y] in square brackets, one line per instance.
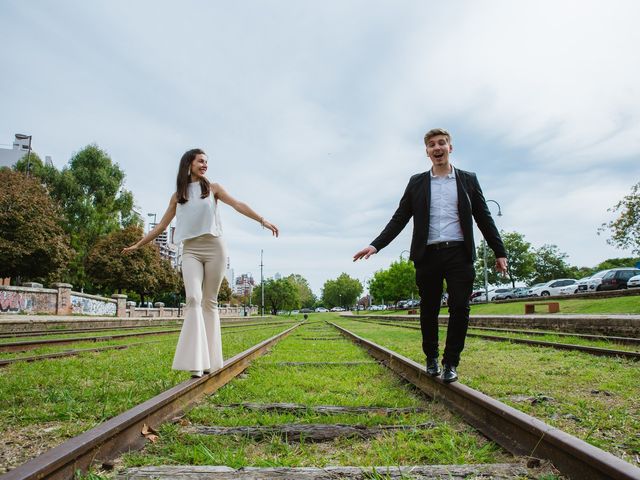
[443, 203]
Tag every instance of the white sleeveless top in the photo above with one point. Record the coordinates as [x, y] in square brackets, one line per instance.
[198, 216]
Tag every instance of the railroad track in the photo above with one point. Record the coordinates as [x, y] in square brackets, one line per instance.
[122, 433]
[607, 352]
[24, 346]
[513, 430]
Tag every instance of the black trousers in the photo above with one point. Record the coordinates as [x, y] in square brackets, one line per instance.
[453, 265]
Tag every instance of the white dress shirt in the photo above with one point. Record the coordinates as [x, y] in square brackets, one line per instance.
[444, 221]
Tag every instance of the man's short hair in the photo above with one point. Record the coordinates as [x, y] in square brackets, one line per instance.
[436, 131]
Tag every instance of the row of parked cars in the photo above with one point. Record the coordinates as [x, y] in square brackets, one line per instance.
[611, 279]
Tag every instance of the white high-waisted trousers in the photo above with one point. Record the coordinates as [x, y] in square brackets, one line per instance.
[200, 343]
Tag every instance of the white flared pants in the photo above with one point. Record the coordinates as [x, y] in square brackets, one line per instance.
[200, 343]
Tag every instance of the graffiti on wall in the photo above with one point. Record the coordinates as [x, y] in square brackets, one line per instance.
[15, 302]
[90, 306]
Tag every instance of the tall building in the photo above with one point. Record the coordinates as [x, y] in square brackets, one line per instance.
[9, 156]
[168, 249]
[244, 285]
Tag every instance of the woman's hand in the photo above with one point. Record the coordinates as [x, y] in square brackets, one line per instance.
[270, 226]
[130, 249]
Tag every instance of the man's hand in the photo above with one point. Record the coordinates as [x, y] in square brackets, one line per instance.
[501, 265]
[365, 252]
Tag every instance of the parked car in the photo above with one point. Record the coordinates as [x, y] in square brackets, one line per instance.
[306, 310]
[592, 283]
[481, 298]
[552, 287]
[617, 278]
[321, 310]
[569, 290]
[521, 292]
[337, 309]
[503, 294]
[634, 282]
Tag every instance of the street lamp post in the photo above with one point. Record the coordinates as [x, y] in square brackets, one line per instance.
[154, 219]
[21, 136]
[484, 254]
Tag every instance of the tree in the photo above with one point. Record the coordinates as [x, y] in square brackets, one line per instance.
[343, 291]
[520, 261]
[225, 293]
[396, 283]
[279, 294]
[625, 229]
[142, 271]
[550, 263]
[33, 244]
[90, 192]
[307, 298]
[616, 263]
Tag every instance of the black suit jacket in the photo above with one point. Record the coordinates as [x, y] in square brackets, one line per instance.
[416, 202]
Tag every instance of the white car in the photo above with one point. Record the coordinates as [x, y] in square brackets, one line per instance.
[569, 290]
[321, 310]
[337, 309]
[634, 282]
[592, 283]
[552, 287]
[482, 298]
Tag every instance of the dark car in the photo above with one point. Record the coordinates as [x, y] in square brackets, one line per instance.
[307, 310]
[617, 279]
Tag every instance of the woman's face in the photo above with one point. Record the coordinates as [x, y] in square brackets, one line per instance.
[198, 166]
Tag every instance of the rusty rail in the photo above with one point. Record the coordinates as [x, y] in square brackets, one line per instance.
[123, 432]
[514, 430]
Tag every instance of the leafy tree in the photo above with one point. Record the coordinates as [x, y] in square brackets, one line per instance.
[550, 263]
[616, 263]
[89, 189]
[225, 293]
[396, 283]
[279, 294]
[625, 229]
[520, 261]
[142, 271]
[33, 244]
[307, 298]
[343, 291]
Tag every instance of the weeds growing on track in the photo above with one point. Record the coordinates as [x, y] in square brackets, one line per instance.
[594, 398]
[449, 441]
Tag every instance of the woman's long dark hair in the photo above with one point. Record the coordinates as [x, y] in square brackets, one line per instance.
[184, 177]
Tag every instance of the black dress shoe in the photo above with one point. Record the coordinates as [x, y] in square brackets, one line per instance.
[449, 375]
[433, 367]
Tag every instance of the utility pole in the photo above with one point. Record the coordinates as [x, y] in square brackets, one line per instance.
[261, 283]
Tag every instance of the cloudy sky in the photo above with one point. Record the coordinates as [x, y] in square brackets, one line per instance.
[314, 112]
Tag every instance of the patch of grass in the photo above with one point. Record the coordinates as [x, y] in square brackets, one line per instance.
[594, 398]
[449, 441]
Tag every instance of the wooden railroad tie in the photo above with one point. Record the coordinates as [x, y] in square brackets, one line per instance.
[308, 432]
[322, 338]
[317, 364]
[325, 409]
[498, 471]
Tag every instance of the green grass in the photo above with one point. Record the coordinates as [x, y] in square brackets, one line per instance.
[593, 398]
[70, 395]
[587, 306]
[449, 442]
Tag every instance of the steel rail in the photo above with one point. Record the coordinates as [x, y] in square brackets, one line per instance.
[21, 346]
[514, 430]
[123, 432]
[605, 352]
[585, 336]
[71, 353]
[44, 333]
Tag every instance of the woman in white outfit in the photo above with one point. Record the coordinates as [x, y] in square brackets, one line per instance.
[195, 206]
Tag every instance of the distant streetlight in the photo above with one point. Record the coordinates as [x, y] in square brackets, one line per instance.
[21, 136]
[484, 254]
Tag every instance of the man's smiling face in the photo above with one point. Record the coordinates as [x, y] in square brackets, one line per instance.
[438, 150]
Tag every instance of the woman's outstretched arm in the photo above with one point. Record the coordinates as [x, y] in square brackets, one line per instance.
[241, 207]
[158, 229]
